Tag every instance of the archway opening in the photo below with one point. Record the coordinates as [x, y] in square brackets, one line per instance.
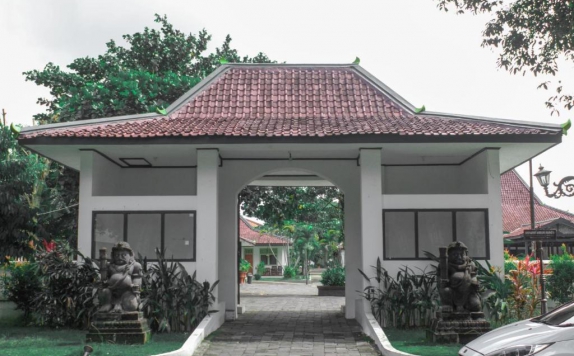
[291, 230]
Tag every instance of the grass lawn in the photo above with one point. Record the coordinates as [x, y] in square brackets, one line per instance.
[16, 340]
[414, 341]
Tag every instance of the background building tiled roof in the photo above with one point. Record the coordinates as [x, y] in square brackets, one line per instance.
[247, 233]
[516, 206]
[289, 101]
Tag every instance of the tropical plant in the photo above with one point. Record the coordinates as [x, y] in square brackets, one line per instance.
[289, 272]
[497, 292]
[66, 296]
[20, 284]
[402, 302]
[244, 265]
[560, 283]
[525, 296]
[333, 276]
[172, 299]
[260, 269]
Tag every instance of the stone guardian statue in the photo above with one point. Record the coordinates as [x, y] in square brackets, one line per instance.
[121, 281]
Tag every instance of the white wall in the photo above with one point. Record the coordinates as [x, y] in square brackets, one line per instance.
[468, 178]
[111, 180]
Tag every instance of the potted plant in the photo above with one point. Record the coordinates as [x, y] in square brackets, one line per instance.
[260, 270]
[244, 267]
[333, 282]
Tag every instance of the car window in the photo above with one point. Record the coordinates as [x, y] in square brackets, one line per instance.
[562, 316]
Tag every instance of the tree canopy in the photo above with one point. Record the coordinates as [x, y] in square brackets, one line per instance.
[153, 70]
[534, 36]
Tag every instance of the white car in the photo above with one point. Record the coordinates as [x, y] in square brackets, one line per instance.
[551, 334]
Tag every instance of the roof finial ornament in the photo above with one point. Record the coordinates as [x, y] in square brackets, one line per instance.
[357, 60]
[419, 110]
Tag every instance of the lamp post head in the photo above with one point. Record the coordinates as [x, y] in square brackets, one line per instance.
[543, 177]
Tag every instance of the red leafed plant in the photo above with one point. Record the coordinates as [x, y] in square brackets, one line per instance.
[49, 246]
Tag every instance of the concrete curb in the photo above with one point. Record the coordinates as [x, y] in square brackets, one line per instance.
[372, 328]
[208, 325]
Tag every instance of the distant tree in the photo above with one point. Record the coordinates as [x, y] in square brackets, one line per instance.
[154, 70]
[19, 187]
[533, 36]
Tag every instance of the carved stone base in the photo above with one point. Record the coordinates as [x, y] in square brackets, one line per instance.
[457, 327]
[119, 328]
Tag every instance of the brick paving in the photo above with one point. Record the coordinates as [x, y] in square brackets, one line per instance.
[288, 319]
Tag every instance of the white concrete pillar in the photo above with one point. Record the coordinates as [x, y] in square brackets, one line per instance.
[496, 242]
[85, 208]
[207, 215]
[371, 210]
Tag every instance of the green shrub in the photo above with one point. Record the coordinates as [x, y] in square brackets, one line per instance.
[261, 268]
[244, 265]
[21, 283]
[67, 296]
[561, 282]
[333, 276]
[289, 272]
[403, 302]
[172, 299]
[257, 276]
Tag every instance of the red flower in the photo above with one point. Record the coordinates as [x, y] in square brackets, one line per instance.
[49, 246]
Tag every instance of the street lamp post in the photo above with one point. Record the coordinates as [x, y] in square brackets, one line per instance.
[564, 188]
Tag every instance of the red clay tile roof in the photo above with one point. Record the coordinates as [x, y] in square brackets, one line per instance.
[290, 101]
[516, 206]
[247, 233]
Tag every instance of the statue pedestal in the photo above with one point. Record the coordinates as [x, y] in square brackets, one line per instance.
[119, 328]
[457, 327]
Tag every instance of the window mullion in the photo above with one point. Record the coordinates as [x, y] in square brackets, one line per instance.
[416, 234]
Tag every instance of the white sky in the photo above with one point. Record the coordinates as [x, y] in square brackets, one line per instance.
[427, 56]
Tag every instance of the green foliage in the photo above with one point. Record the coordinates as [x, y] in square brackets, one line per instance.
[154, 70]
[402, 302]
[173, 300]
[66, 296]
[499, 290]
[560, 283]
[333, 276]
[20, 284]
[244, 265]
[260, 269]
[35, 198]
[532, 36]
[20, 174]
[257, 276]
[319, 206]
[55, 289]
[289, 272]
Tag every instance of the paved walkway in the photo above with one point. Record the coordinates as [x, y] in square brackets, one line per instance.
[288, 319]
